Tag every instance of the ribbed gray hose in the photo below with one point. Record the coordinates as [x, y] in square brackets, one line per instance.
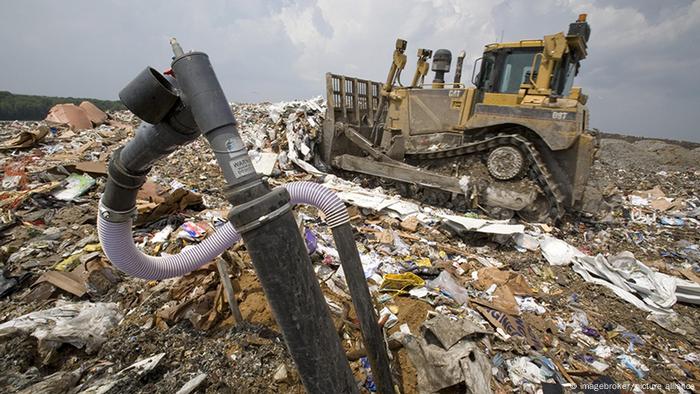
[118, 243]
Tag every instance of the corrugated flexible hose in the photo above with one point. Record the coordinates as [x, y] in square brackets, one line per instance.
[118, 243]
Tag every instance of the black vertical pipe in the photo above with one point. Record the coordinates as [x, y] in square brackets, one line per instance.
[282, 264]
[372, 334]
[268, 228]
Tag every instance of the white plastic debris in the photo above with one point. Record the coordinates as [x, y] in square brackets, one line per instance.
[599, 366]
[521, 370]
[83, 325]
[391, 318]
[558, 252]
[418, 292]
[264, 162]
[603, 351]
[526, 241]
[281, 374]
[446, 283]
[162, 235]
[485, 225]
[528, 304]
[192, 384]
[393, 206]
[145, 365]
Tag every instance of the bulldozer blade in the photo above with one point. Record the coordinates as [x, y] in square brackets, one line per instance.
[398, 172]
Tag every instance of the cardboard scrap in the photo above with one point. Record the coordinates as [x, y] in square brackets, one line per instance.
[517, 283]
[92, 167]
[508, 285]
[26, 139]
[69, 114]
[151, 192]
[410, 223]
[68, 281]
[77, 275]
[96, 116]
[653, 198]
[178, 200]
[386, 237]
[651, 194]
[690, 275]
[199, 298]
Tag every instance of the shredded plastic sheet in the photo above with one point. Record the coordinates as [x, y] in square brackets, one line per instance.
[83, 324]
[629, 279]
[485, 225]
[374, 199]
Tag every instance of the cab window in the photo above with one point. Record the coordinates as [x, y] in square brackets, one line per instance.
[486, 75]
[517, 68]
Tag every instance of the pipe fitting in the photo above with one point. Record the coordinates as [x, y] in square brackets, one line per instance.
[150, 96]
[121, 188]
[113, 216]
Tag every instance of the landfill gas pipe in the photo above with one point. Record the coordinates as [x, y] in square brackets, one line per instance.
[175, 112]
[118, 243]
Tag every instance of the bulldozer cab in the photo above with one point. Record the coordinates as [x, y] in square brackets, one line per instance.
[512, 67]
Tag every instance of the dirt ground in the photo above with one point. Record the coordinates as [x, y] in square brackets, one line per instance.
[186, 319]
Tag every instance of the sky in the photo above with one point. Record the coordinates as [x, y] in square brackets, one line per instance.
[642, 73]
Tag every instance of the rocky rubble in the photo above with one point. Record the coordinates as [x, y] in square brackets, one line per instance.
[514, 306]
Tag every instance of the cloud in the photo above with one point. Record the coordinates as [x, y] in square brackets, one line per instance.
[357, 38]
[640, 74]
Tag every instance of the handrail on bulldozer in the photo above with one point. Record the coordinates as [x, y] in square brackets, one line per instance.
[460, 85]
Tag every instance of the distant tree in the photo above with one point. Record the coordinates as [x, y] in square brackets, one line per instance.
[27, 107]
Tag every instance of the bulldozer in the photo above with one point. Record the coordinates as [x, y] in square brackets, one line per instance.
[513, 142]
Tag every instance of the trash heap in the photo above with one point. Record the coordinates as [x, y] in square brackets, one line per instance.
[467, 302]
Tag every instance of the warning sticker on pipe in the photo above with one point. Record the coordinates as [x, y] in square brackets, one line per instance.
[242, 167]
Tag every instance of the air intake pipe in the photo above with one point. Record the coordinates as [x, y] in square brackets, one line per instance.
[441, 65]
[175, 113]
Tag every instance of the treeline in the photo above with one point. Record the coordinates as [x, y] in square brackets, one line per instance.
[26, 107]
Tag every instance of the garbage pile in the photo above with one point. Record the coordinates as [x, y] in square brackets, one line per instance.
[467, 303]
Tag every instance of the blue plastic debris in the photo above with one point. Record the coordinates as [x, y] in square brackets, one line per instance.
[670, 221]
[630, 363]
[311, 241]
[369, 382]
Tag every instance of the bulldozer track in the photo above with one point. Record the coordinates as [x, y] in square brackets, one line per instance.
[537, 168]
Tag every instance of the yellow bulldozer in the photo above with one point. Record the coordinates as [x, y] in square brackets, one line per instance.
[515, 143]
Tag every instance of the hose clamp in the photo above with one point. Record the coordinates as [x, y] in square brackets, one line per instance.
[113, 216]
[254, 213]
[264, 219]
